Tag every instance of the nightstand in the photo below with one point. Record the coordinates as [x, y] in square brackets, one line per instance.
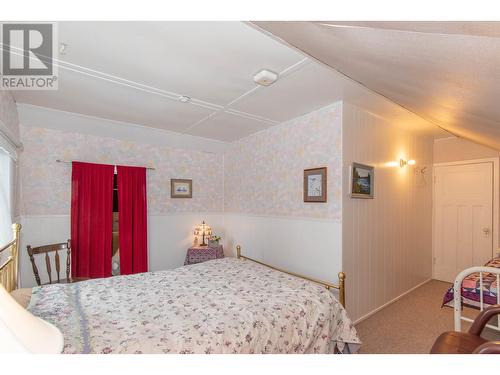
[199, 254]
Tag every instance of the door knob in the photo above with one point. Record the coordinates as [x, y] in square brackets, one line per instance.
[486, 231]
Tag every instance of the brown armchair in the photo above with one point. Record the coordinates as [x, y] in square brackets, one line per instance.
[470, 342]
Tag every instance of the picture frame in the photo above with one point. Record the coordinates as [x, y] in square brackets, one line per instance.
[362, 181]
[181, 188]
[315, 185]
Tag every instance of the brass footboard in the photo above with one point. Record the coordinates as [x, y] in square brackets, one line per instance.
[9, 263]
[340, 287]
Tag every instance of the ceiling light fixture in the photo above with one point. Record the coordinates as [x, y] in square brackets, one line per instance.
[265, 77]
[184, 99]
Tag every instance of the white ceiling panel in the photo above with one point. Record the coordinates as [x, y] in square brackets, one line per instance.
[227, 127]
[94, 97]
[210, 61]
[309, 88]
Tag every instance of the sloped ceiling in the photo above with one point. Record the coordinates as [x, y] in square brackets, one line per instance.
[446, 72]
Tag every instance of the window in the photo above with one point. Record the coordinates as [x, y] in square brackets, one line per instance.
[115, 270]
[6, 180]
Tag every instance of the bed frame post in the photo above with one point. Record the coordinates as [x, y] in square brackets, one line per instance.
[238, 251]
[342, 288]
[9, 267]
[457, 298]
[457, 294]
[16, 229]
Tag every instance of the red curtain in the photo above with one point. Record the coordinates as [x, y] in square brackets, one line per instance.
[132, 207]
[91, 219]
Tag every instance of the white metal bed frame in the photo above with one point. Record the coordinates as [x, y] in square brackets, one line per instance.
[457, 295]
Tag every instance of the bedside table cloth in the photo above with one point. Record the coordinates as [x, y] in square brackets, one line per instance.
[199, 254]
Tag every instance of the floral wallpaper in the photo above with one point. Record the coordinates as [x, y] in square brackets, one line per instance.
[46, 185]
[263, 173]
[8, 113]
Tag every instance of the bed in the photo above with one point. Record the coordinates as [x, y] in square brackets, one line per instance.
[229, 305]
[477, 288]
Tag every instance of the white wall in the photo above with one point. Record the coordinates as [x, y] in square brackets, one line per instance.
[308, 246]
[387, 242]
[169, 236]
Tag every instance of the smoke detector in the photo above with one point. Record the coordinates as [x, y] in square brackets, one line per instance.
[265, 77]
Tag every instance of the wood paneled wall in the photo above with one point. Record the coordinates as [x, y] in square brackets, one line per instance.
[386, 241]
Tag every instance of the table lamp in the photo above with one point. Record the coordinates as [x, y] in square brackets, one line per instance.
[22, 332]
[203, 230]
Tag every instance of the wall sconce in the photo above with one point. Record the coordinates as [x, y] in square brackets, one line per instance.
[403, 163]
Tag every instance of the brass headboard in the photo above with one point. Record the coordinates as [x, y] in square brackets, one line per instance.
[340, 287]
[9, 267]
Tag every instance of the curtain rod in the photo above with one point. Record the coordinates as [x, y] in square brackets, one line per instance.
[69, 162]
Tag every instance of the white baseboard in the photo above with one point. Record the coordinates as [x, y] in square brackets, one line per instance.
[391, 301]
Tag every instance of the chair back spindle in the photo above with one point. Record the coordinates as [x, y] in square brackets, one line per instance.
[47, 249]
[68, 259]
[58, 265]
[33, 265]
[47, 264]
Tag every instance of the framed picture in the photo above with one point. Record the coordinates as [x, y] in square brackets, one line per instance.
[362, 181]
[180, 188]
[315, 185]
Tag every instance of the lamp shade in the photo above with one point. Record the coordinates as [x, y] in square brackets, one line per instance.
[22, 332]
[203, 230]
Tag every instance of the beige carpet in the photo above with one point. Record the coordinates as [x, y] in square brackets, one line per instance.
[411, 324]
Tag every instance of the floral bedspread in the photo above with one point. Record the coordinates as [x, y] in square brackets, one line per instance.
[471, 289]
[220, 306]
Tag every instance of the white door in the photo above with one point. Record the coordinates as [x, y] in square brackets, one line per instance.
[463, 218]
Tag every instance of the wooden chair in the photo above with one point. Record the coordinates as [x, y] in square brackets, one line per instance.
[65, 246]
[470, 342]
